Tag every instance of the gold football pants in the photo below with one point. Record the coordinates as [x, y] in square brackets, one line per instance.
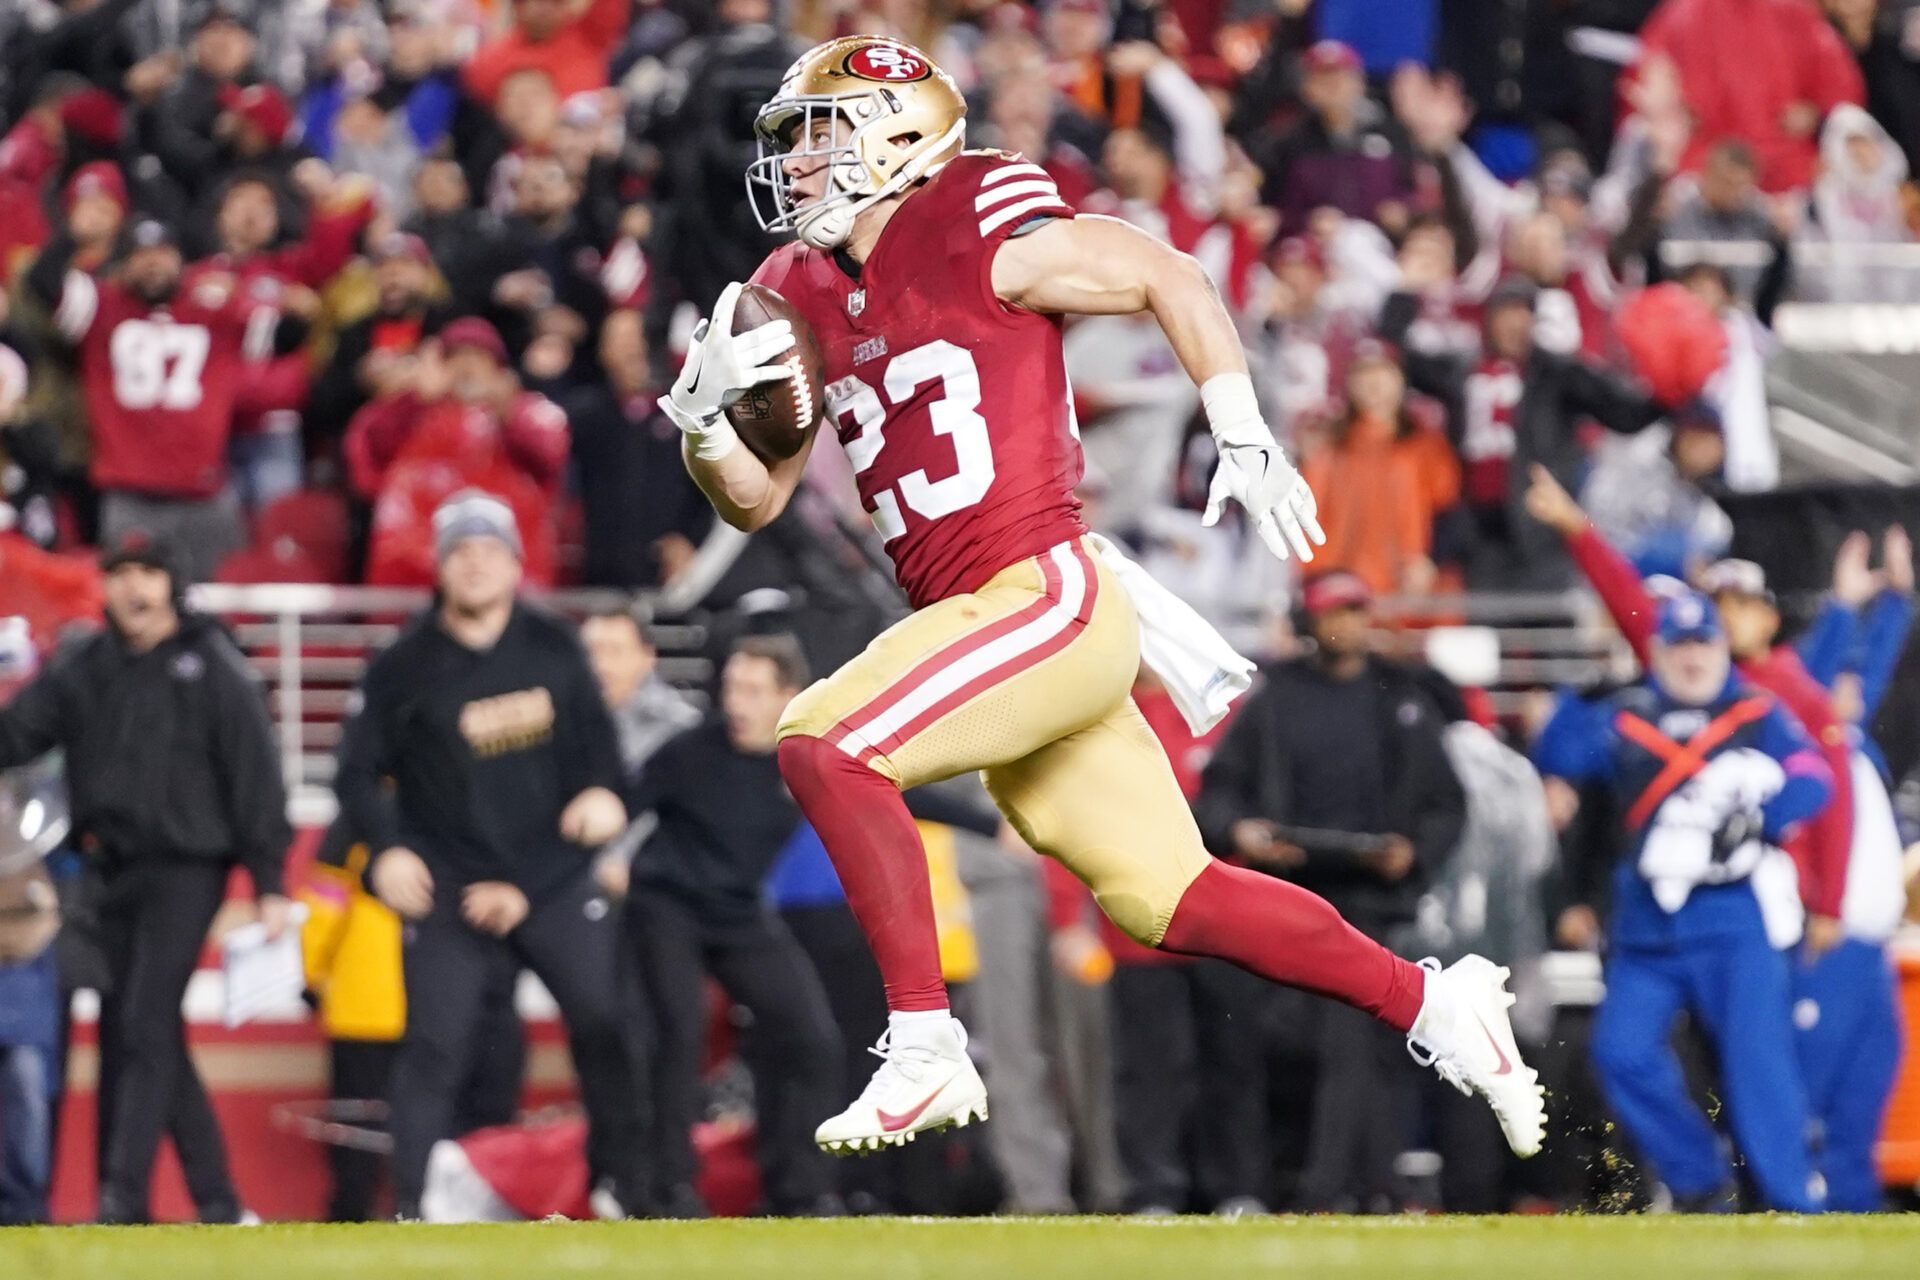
[1027, 680]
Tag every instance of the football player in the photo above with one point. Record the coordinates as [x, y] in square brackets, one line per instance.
[934, 279]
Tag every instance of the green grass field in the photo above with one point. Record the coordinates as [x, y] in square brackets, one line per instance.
[1005, 1249]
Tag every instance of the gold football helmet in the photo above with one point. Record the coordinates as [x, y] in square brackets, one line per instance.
[904, 116]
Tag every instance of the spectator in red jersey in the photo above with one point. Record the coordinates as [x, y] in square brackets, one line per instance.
[160, 363]
[570, 40]
[1764, 72]
[267, 452]
[463, 422]
[1386, 477]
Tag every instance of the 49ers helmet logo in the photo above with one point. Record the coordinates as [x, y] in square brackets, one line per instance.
[887, 62]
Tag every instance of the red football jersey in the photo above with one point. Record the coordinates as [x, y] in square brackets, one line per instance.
[952, 406]
[160, 381]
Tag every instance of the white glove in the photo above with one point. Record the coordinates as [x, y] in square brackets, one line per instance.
[720, 366]
[1678, 851]
[1254, 472]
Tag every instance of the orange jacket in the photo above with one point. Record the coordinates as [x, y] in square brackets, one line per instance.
[1378, 498]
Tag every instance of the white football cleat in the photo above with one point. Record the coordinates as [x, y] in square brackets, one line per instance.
[1464, 1034]
[927, 1084]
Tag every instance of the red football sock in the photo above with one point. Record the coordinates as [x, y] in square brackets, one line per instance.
[1280, 931]
[883, 867]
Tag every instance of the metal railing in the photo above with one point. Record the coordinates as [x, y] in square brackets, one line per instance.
[311, 645]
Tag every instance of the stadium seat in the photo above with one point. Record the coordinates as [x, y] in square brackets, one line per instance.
[280, 560]
[315, 522]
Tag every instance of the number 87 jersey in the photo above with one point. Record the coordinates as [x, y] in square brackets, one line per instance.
[952, 406]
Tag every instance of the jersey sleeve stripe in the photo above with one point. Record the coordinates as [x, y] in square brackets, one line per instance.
[1000, 195]
[1001, 217]
[1013, 171]
[79, 302]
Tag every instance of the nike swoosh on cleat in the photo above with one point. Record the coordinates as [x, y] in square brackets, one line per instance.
[1505, 1066]
[893, 1123]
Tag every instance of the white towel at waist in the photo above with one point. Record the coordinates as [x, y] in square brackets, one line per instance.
[1202, 672]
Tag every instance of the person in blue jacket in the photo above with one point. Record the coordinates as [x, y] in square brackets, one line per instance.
[1710, 774]
[1845, 1004]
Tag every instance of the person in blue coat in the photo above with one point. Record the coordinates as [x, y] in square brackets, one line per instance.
[1846, 1008]
[1711, 774]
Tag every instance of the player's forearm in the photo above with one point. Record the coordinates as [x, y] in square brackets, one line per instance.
[739, 486]
[1190, 312]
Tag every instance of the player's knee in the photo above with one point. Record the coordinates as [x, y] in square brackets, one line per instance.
[1139, 894]
[1139, 904]
[1134, 916]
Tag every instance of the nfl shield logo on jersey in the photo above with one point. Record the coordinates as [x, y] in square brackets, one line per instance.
[856, 302]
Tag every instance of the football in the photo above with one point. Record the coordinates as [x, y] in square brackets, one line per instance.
[775, 418]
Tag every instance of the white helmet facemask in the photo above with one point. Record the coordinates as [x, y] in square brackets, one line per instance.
[803, 131]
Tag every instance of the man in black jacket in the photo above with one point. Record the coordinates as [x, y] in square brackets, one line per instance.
[485, 720]
[375, 354]
[1333, 775]
[538, 271]
[174, 779]
[644, 515]
[696, 907]
[178, 130]
[1512, 406]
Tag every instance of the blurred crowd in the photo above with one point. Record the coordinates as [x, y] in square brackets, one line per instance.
[286, 278]
[281, 276]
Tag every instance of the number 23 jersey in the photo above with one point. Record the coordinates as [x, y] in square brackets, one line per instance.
[952, 406]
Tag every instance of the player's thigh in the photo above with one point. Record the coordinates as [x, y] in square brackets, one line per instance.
[1105, 803]
[1047, 647]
